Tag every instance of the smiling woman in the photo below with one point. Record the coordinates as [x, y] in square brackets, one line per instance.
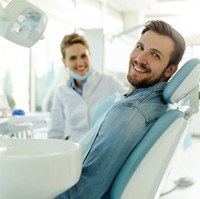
[76, 58]
[75, 101]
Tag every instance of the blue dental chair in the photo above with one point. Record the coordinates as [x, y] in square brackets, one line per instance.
[147, 167]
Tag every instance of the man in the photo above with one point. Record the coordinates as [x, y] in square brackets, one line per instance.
[153, 61]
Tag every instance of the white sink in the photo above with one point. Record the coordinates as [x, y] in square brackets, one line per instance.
[38, 169]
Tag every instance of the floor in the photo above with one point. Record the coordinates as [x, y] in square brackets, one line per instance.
[185, 173]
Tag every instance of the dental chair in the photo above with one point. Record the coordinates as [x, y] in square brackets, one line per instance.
[147, 167]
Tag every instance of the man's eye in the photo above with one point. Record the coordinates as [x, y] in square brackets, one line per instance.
[156, 55]
[140, 47]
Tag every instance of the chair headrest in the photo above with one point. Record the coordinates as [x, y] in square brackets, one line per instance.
[184, 83]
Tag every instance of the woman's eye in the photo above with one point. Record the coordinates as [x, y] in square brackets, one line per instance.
[83, 56]
[72, 58]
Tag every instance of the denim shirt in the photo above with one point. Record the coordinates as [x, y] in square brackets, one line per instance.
[124, 125]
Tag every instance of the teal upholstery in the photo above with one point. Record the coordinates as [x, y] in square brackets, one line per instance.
[141, 150]
[180, 82]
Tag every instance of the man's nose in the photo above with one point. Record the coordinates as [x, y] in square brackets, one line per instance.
[142, 58]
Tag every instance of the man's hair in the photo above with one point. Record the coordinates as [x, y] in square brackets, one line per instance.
[71, 39]
[165, 29]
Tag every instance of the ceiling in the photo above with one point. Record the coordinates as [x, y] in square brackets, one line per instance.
[181, 13]
[155, 7]
[150, 8]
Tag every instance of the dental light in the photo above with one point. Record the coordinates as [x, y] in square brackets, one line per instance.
[22, 23]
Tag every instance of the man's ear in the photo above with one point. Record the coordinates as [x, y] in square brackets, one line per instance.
[171, 69]
[63, 60]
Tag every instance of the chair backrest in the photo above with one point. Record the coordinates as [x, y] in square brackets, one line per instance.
[145, 170]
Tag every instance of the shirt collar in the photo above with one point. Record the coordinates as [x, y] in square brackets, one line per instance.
[71, 84]
[157, 86]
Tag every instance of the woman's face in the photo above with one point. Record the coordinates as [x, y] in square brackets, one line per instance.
[77, 59]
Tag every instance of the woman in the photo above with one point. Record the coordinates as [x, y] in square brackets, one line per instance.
[75, 102]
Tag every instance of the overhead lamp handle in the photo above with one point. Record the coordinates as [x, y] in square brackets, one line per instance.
[3, 14]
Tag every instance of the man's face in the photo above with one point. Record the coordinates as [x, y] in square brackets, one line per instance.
[149, 60]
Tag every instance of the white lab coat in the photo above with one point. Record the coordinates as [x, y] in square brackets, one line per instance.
[71, 113]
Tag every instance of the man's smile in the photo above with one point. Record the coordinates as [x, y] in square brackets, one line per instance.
[139, 69]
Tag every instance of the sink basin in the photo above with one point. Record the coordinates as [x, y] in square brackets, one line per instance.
[38, 169]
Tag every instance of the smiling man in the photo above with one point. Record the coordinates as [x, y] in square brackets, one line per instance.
[149, 60]
[153, 61]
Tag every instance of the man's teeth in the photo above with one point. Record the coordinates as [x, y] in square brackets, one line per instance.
[139, 69]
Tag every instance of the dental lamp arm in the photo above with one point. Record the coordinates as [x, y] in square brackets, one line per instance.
[3, 14]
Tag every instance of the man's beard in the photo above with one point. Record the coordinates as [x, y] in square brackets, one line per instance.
[145, 82]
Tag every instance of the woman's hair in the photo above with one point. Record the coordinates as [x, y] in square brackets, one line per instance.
[71, 39]
[165, 29]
